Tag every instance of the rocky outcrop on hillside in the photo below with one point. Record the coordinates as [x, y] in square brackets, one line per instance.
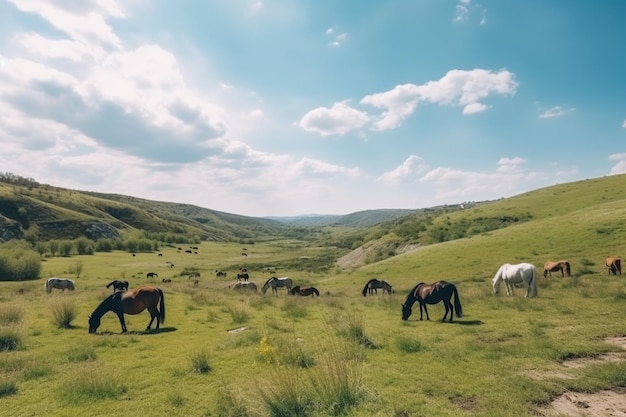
[373, 251]
[98, 230]
[9, 230]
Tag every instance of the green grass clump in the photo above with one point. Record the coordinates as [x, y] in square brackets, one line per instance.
[92, 384]
[10, 339]
[7, 388]
[200, 362]
[239, 312]
[81, 354]
[408, 345]
[63, 312]
[10, 314]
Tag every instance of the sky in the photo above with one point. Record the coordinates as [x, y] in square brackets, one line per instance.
[294, 107]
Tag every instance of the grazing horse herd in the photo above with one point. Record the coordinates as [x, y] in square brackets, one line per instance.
[125, 301]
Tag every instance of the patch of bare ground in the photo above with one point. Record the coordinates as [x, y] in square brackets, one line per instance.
[360, 255]
[606, 403]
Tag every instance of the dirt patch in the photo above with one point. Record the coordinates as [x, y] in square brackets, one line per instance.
[607, 403]
[360, 255]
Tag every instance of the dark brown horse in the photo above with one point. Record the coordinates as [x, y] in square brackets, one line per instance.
[433, 294]
[305, 292]
[374, 284]
[554, 266]
[614, 265]
[118, 285]
[131, 302]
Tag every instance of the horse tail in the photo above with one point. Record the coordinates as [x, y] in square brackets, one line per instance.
[161, 306]
[457, 301]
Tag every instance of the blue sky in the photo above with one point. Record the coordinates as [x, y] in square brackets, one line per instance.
[291, 107]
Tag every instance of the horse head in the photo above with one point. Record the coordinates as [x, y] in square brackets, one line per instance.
[406, 311]
[94, 323]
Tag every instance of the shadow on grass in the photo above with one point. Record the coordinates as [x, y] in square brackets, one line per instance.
[468, 322]
[139, 332]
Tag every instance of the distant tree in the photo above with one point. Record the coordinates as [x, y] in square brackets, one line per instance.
[66, 247]
[18, 261]
[32, 235]
[54, 247]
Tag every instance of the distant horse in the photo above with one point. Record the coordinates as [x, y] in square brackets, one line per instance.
[374, 284]
[60, 284]
[554, 266]
[305, 292]
[432, 294]
[220, 274]
[131, 302]
[276, 283]
[614, 265]
[166, 280]
[513, 274]
[152, 275]
[249, 285]
[243, 276]
[118, 285]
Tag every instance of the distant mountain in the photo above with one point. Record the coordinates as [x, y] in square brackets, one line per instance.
[364, 218]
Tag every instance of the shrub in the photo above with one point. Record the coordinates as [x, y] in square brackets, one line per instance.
[18, 262]
[63, 312]
[240, 313]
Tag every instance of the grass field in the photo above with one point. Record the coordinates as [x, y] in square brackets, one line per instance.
[222, 353]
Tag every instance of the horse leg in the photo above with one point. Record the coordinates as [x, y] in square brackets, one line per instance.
[426, 310]
[509, 289]
[448, 306]
[120, 315]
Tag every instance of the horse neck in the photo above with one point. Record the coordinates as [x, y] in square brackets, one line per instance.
[104, 306]
[411, 298]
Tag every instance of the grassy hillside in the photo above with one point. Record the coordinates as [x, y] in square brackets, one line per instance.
[66, 214]
[223, 353]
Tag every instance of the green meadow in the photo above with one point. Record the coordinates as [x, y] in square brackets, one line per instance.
[227, 353]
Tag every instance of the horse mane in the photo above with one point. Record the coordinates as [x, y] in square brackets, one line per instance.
[268, 281]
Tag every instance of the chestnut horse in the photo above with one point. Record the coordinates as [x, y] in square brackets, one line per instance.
[440, 291]
[614, 265]
[131, 302]
[554, 266]
[306, 291]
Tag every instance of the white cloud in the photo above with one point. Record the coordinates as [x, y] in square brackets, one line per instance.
[556, 111]
[624, 124]
[620, 166]
[412, 166]
[457, 87]
[337, 40]
[338, 120]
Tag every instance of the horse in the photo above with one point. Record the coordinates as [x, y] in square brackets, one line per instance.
[131, 302]
[220, 274]
[152, 275]
[305, 292]
[276, 283]
[243, 276]
[555, 266]
[166, 280]
[374, 284]
[614, 265]
[59, 283]
[513, 274]
[295, 290]
[249, 285]
[432, 294]
[118, 285]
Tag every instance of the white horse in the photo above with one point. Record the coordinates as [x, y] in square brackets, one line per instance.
[275, 283]
[59, 283]
[513, 274]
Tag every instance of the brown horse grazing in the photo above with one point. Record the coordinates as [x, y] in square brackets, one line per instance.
[306, 291]
[554, 266]
[374, 284]
[433, 294]
[131, 302]
[614, 265]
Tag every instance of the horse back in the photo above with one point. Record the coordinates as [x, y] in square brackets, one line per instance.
[137, 300]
